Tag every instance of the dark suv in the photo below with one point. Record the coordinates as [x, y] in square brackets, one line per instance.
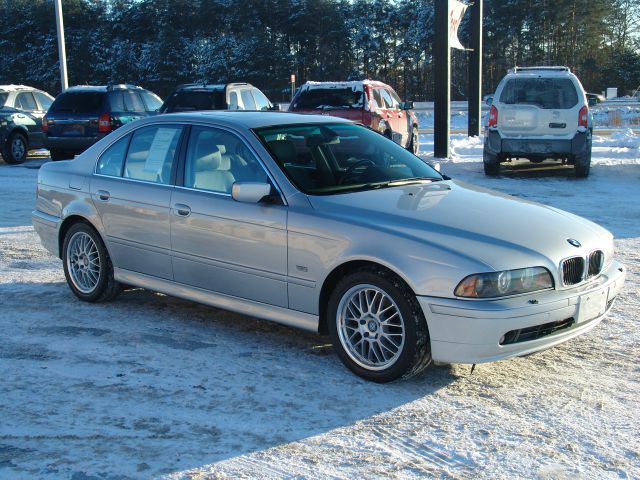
[82, 115]
[208, 96]
[21, 112]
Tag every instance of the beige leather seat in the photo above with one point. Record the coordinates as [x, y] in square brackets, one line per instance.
[211, 170]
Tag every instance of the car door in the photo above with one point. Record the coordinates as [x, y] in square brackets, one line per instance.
[219, 244]
[132, 192]
[394, 116]
[30, 117]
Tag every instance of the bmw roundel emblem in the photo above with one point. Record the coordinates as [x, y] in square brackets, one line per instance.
[574, 242]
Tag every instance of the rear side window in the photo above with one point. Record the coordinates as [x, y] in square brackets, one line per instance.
[152, 153]
[26, 101]
[547, 93]
[3, 98]
[112, 159]
[319, 98]
[247, 100]
[192, 100]
[78, 102]
[125, 101]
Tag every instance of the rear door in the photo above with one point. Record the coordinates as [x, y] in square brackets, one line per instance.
[537, 106]
[395, 117]
[76, 114]
[131, 190]
[30, 117]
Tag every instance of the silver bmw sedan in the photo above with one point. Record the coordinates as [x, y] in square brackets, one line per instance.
[325, 225]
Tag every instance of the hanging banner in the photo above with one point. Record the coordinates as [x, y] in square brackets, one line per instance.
[456, 12]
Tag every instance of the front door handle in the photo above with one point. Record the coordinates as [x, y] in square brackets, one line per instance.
[103, 195]
[182, 209]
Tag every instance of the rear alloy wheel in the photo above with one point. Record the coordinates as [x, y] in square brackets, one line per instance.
[491, 164]
[87, 266]
[377, 326]
[15, 149]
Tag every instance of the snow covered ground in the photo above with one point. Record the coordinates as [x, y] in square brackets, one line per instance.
[150, 386]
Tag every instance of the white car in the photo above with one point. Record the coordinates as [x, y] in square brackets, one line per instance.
[539, 113]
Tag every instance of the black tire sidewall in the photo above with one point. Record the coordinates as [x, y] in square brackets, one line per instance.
[405, 362]
[7, 153]
[105, 263]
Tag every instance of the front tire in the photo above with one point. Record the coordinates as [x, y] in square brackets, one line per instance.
[377, 326]
[87, 266]
[414, 144]
[15, 149]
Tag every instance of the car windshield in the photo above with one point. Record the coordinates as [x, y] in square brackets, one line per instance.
[547, 93]
[327, 159]
[326, 98]
[192, 100]
[78, 102]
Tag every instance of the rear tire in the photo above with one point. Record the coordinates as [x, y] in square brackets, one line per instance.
[583, 163]
[377, 326]
[491, 164]
[414, 144]
[57, 155]
[87, 266]
[15, 149]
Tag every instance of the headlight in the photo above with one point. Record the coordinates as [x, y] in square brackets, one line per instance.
[502, 284]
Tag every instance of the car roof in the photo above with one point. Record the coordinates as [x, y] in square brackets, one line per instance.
[210, 86]
[102, 88]
[13, 88]
[345, 84]
[249, 118]
[541, 71]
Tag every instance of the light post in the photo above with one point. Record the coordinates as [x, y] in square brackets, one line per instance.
[61, 49]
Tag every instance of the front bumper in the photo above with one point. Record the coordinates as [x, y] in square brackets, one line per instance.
[470, 331]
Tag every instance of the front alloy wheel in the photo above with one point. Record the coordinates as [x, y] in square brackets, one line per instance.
[377, 326]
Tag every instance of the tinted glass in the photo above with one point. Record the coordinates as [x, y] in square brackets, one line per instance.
[387, 99]
[44, 100]
[151, 100]
[216, 159]
[233, 101]
[328, 98]
[338, 158]
[78, 102]
[547, 93]
[133, 102]
[26, 101]
[116, 101]
[151, 153]
[191, 100]
[262, 101]
[3, 98]
[377, 98]
[247, 100]
[111, 161]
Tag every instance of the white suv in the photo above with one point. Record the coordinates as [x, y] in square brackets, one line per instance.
[539, 113]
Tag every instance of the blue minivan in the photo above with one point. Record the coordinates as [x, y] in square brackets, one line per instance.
[82, 115]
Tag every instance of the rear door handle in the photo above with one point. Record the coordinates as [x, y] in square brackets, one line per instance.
[103, 195]
[182, 209]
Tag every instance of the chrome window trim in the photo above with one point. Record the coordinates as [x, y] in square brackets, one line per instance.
[146, 182]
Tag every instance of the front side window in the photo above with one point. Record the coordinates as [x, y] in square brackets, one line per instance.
[44, 100]
[216, 159]
[112, 160]
[546, 93]
[262, 101]
[330, 159]
[152, 153]
[388, 100]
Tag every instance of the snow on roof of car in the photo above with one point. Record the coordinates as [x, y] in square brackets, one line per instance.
[12, 88]
[354, 84]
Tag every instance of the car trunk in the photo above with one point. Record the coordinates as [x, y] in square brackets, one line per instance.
[75, 114]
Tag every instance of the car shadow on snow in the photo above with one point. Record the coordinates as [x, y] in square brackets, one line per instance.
[157, 384]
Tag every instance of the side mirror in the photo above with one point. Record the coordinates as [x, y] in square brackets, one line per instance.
[250, 192]
[406, 105]
[275, 107]
[489, 100]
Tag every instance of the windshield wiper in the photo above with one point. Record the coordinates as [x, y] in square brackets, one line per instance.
[407, 181]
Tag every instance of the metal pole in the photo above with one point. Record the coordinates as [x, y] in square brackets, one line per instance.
[475, 70]
[442, 80]
[61, 48]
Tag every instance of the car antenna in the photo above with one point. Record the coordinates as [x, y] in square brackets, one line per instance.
[473, 367]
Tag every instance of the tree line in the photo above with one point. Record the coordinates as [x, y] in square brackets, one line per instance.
[160, 43]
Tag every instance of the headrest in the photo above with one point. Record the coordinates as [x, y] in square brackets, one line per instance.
[209, 161]
[223, 149]
[284, 150]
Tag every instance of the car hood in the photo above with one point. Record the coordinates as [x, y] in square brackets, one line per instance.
[497, 230]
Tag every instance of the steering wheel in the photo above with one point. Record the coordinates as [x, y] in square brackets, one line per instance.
[349, 172]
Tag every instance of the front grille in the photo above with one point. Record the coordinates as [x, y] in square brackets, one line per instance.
[596, 262]
[533, 333]
[572, 270]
